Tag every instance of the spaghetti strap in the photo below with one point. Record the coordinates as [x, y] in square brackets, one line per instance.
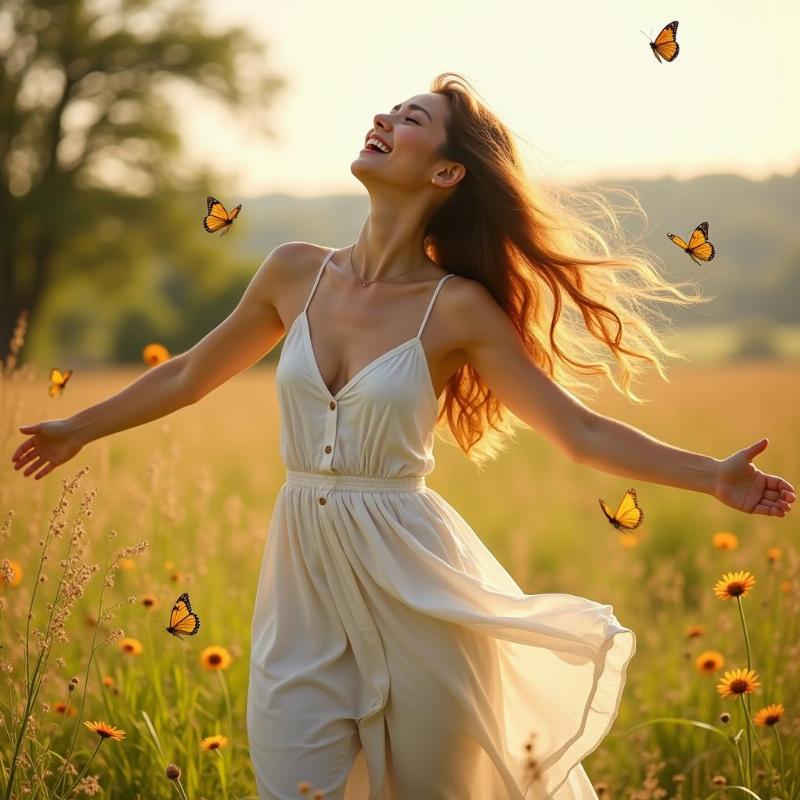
[433, 299]
[319, 275]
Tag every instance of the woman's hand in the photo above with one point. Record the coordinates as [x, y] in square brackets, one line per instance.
[53, 442]
[743, 486]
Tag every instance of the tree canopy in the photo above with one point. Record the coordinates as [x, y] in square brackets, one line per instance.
[92, 178]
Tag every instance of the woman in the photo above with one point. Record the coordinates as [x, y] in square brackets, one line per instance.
[392, 655]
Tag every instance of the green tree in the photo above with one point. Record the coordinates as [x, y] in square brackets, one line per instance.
[91, 179]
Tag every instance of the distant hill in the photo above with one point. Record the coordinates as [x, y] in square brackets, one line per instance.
[755, 277]
[754, 225]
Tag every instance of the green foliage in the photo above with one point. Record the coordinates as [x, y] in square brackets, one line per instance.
[111, 200]
[134, 331]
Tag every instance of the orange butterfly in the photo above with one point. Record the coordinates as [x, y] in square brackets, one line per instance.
[628, 514]
[217, 217]
[699, 246]
[665, 45]
[58, 380]
[182, 620]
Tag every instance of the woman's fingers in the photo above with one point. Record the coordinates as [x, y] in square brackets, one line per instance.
[49, 468]
[779, 492]
[26, 459]
[778, 483]
[777, 499]
[33, 467]
[775, 502]
[769, 508]
[23, 448]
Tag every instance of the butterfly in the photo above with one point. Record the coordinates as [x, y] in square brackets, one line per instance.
[217, 217]
[699, 246]
[665, 45]
[182, 620]
[58, 380]
[628, 514]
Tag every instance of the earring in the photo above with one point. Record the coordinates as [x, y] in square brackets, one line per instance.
[433, 180]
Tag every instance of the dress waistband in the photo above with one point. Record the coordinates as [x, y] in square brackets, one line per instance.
[354, 483]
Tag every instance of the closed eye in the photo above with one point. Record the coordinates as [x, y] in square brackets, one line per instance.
[397, 108]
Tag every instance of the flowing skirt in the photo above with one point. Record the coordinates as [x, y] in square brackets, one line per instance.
[394, 657]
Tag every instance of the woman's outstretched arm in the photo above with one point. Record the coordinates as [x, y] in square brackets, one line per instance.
[250, 331]
[484, 333]
[618, 448]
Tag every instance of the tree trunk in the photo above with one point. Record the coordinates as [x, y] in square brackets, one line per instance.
[12, 304]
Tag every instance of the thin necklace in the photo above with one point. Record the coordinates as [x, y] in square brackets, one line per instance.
[368, 283]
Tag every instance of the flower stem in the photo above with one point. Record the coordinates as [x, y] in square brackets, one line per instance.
[758, 742]
[223, 778]
[744, 628]
[63, 774]
[749, 667]
[749, 772]
[30, 699]
[739, 759]
[780, 756]
[68, 792]
[227, 700]
[221, 763]
[181, 791]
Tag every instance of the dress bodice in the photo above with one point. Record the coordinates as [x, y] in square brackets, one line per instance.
[380, 423]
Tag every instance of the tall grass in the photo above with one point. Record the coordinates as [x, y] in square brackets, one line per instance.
[82, 618]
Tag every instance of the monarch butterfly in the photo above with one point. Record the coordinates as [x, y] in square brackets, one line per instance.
[699, 246]
[628, 514]
[217, 217]
[182, 620]
[58, 380]
[665, 45]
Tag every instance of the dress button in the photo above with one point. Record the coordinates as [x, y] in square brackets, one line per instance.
[327, 448]
[322, 501]
[333, 405]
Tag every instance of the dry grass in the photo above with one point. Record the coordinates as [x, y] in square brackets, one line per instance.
[190, 498]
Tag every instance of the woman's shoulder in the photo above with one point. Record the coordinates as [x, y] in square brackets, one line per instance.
[300, 256]
[298, 263]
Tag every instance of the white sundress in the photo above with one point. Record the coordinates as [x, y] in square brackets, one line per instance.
[392, 656]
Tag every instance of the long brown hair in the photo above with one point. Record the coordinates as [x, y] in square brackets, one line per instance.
[535, 249]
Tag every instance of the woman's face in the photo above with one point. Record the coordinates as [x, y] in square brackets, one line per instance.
[414, 130]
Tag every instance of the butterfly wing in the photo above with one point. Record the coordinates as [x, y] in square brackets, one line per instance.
[699, 245]
[699, 235]
[705, 252]
[189, 625]
[608, 512]
[216, 216]
[628, 514]
[213, 224]
[57, 376]
[231, 217]
[665, 44]
[58, 380]
[678, 241]
[182, 620]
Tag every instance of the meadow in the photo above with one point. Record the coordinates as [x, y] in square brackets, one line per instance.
[183, 504]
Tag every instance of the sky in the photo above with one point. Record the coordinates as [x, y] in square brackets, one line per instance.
[576, 82]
